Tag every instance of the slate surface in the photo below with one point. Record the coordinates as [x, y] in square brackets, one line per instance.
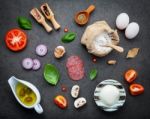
[134, 108]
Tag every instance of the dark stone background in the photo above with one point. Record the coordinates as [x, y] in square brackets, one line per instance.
[134, 108]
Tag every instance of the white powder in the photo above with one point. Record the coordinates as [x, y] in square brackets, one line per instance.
[100, 42]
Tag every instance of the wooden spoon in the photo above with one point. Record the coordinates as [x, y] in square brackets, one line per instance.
[40, 19]
[82, 17]
[49, 15]
[117, 48]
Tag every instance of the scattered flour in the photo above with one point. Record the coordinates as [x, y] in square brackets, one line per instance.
[100, 42]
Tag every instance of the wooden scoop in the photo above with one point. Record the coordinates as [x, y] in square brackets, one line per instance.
[117, 48]
[40, 19]
[49, 15]
[82, 17]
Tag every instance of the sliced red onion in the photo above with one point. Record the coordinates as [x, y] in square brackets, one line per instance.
[41, 50]
[27, 63]
[36, 64]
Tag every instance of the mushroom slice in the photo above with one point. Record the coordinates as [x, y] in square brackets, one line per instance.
[79, 102]
[75, 91]
[59, 51]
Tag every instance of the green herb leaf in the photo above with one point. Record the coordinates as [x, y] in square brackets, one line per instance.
[24, 23]
[93, 74]
[51, 74]
[68, 37]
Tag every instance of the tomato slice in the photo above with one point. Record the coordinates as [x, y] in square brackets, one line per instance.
[16, 39]
[130, 75]
[136, 89]
[60, 101]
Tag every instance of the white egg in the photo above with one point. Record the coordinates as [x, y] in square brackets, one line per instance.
[132, 30]
[122, 21]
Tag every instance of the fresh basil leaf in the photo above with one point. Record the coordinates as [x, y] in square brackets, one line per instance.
[68, 37]
[93, 74]
[51, 74]
[24, 23]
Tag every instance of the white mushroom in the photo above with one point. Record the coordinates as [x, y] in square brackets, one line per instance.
[59, 51]
[79, 102]
[75, 91]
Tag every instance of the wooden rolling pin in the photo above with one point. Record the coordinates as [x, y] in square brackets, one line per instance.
[49, 15]
[40, 19]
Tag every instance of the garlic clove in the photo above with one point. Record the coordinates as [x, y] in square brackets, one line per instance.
[111, 62]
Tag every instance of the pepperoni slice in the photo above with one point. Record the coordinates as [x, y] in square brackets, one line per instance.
[74, 60]
[76, 73]
[75, 67]
[76, 76]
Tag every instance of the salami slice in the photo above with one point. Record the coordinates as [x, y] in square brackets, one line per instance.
[74, 60]
[75, 67]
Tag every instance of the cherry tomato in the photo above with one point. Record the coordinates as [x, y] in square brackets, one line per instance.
[94, 59]
[130, 75]
[16, 39]
[65, 29]
[60, 101]
[136, 89]
[64, 88]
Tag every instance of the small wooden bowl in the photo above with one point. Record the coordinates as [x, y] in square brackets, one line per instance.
[82, 17]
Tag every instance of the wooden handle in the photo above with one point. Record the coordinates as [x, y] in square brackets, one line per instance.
[90, 9]
[46, 26]
[117, 48]
[55, 23]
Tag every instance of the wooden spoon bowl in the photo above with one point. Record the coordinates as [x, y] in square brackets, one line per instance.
[82, 17]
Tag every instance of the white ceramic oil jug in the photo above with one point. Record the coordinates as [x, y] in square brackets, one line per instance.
[13, 81]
